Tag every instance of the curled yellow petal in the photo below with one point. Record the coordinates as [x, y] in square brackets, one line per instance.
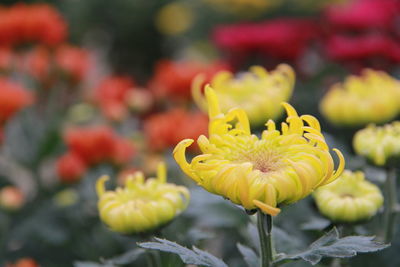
[100, 188]
[266, 208]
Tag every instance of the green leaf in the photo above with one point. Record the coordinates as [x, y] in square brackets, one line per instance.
[315, 224]
[249, 256]
[188, 256]
[90, 264]
[330, 245]
[127, 257]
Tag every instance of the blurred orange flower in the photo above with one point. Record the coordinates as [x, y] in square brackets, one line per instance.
[73, 61]
[70, 167]
[111, 95]
[24, 262]
[13, 98]
[36, 62]
[98, 144]
[22, 23]
[165, 130]
[173, 79]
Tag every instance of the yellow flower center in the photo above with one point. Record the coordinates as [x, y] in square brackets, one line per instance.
[263, 159]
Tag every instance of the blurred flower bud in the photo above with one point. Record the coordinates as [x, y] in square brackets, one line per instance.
[378, 144]
[174, 18]
[141, 206]
[66, 197]
[139, 100]
[349, 199]
[11, 198]
[80, 113]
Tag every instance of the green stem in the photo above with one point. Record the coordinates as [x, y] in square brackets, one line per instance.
[151, 259]
[391, 203]
[265, 238]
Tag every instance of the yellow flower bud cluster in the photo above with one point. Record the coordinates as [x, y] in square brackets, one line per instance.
[280, 167]
[141, 205]
[372, 97]
[378, 143]
[349, 199]
[258, 92]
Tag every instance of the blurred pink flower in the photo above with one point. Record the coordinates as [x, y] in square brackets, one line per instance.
[363, 14]
[359, 47]
[283, 38]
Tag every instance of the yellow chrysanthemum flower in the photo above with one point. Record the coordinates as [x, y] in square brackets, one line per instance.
[349, 199]
[281, 167]
[258, 92]
[372, 97]
[141, 205]
[378, 144]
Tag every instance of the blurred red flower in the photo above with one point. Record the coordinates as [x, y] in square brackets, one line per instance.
[6, 58]
[73, 61]
[363, 14]
[173, 79]
[111, 95]
[123, 151]
[99, 144]
[165, 130]
[92, 144]
[13, 98]
[70, 167]
[36, 62]
[22, 23]
[283, 38]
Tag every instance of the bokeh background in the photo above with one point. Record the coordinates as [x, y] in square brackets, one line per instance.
[111, 80]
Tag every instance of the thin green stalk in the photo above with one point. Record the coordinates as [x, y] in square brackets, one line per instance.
[391, 203]
[152, 259]
[265, 238]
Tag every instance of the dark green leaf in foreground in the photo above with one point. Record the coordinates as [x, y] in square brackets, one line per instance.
[188, 256]
[249, 255]
[126, 258]
[330, 245]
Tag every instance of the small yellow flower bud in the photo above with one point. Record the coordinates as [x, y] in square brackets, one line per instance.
[141, 205]
[258, 92]
[349, 199]
[378, 144]
[174, 18]
[11, 198]
[369, 98]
